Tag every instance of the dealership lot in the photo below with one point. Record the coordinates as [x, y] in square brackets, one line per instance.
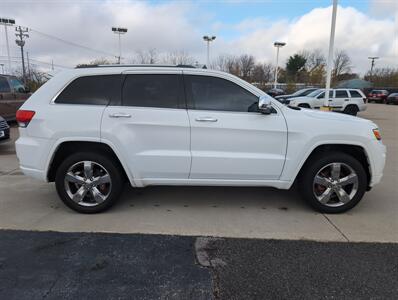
[27, 204]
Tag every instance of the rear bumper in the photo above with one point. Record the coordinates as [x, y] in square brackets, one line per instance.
[6, 135]
[33, 155]
[37, 174]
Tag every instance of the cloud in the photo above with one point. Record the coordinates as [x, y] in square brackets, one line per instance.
[173, 26]
[358, 34]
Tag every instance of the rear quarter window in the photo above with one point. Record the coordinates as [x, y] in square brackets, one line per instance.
[355, 94]
[92, 90]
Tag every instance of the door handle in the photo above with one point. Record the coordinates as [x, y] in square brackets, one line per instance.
[206, 119]
[119, 115]
[346, 99]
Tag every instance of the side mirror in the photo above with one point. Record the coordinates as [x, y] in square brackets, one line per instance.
[264, 104]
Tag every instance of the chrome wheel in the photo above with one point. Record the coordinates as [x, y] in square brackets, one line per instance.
[87, 183]
[335, 185]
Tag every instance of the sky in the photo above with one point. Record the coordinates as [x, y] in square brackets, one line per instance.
[364, 28]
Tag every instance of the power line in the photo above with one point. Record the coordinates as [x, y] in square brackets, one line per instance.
[71, 43]
[18, 60]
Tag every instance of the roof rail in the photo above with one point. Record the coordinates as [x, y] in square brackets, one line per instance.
[83, 66]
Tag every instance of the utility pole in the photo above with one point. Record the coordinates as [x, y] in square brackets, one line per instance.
[21, 36]
[372, 58]
[7, 22]
[119, 31]
[2, 68]
[208, 39]
[330, 58]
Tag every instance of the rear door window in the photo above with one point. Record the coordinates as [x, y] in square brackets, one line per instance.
[154, 90]
[4, 86]
[341, 94]
[92, 90]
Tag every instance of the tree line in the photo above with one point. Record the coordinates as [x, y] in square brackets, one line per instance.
[307, 67]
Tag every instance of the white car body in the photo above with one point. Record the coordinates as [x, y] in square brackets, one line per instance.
[350, 97]
[159, 146]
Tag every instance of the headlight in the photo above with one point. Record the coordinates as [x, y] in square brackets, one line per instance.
[377, 134]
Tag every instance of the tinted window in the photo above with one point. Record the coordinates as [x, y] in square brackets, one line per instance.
[92, 90]
[17, 85]
[355, 94]
[314, 93]
[211, 93]
[154, 90]
[341, 94]
[322, 95]
[4, 86]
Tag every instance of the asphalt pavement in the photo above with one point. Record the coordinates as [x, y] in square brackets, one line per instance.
[54, 265]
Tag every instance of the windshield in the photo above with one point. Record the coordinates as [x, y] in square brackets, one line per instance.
[315, 93]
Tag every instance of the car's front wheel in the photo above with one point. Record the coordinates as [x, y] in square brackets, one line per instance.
[333, 182]
[351, 110]
[89, 182]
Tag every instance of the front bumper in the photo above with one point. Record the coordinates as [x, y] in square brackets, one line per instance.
[377, 159]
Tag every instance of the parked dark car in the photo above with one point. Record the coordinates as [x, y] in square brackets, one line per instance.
[300, 93]
[12, 95]
[275, 92]
[392, 98]
[4, 130]
[378, 96]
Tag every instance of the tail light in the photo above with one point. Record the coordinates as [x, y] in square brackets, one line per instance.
[24, 117]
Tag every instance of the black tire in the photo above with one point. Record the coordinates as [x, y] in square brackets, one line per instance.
[317, 163]
[110, 166]
[304, 105]
[351, 110]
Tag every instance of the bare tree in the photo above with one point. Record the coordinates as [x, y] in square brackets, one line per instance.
[246, 64]
[146, 57]
[341, 64]
[178, 58]
[262, 73]
[95, 62]
[383, 77]
[314, 59]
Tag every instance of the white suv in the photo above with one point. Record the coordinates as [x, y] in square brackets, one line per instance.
[91, 129]
[348, 101]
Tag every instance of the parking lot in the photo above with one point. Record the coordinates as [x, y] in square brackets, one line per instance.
[265, 213]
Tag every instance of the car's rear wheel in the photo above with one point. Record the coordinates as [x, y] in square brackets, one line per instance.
[89, 182]
[333, 182]
[351, 110]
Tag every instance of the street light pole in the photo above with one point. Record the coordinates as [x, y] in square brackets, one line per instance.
[330, 57]
[277, 45]
[208, 39]
[7, 22]
[119, 31]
